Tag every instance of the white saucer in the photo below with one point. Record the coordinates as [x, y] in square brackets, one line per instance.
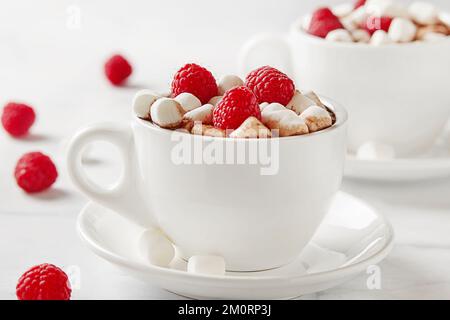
[352, 237]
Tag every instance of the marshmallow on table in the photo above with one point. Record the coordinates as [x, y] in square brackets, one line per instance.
[142, 103]
[300, 102]
[188, 101]
[380, 37]
[423, 12]
[375, 151]
[202, 114]
[251, 128]
[206, 265]
[207, 130]
[360, 35]
[286, 121]
[156, 248]
[215, 100]
[402, 30]
[229, 82]
[167, 113]
[339, 35]
[316, 118]
[436, 31]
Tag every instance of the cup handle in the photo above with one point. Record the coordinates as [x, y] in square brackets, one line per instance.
[124, 196]
[266, 49]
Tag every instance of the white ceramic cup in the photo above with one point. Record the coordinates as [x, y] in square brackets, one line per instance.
[254, 221]
[395, 94]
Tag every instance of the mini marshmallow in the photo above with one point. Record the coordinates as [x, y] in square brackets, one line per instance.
[375, 151]
[167, 113]
[299, 102]
[142, 103]
[215, 100]
[339, 35]
[433, 36]
[316, 118]
[342, 10]
[202, 114]
[444, 18]
[188, 101]
[206, 265]
[358, 16]
[251, 128]
[263, 105]
[229, 82]
[383, 8]
[306, 22]
[207, 130]
[361, 36]
[156, 248]
[314, 97]
[380, 37]
[275, 106]
[287, 122]
[438, 31]
[402, 30]
[348, 23]
[423, 12]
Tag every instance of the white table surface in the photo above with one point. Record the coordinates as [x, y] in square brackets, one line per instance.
[59, 71]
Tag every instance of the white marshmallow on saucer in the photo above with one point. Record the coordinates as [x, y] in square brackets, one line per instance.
[444, 18]
[379, 38]
[348, 23]
[263, 105]
[382, 8]
[275, 106]
[206, 265]
[202, 114]
[207, 130]
[357, 17]
[286, 121]
[402, 30]
[299, 102]
[423, 12]
[316, 118]
[339, 35]
[143, 101]
[372, 150]
[431, 33]
[156, 248]
[251, 128]
[433, 36]
[343, 9]
[229, 82]
[360, 35]
[188, 101]
[215, 100]
[167, 113]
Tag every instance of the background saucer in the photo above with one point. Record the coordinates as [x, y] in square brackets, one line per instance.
[352, 237]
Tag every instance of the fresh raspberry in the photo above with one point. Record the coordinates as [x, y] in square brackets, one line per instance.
[324, 21]
[117, 69]
[196, 80]
[359, 3]
[43, 282]
[35, 172]
[235, 107]
[270, 85]
[377, 23]
[17, 118]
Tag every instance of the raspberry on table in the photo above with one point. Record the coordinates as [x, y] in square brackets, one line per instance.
[35, 172]
[373, 24]
[117, 69]
[17, 118]
[43, 282]
[322, 22]
[196, 80]
[270, 85]
[235, 107]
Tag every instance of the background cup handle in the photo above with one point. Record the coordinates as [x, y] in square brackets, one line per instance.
[124, 197]
[266, 49]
